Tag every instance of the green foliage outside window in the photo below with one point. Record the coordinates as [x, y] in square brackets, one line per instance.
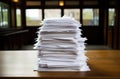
[4, 16]
[111, 14]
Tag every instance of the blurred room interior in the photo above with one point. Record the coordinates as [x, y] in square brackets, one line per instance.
[100, 19]
[20, 19]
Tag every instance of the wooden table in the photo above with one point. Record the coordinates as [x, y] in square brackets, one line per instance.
[104, 64]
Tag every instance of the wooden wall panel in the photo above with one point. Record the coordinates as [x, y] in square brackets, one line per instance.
[110, 38]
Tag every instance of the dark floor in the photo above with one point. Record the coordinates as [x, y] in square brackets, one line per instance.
[88, 47]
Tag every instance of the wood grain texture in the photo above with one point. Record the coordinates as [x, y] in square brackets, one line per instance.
[104, 64]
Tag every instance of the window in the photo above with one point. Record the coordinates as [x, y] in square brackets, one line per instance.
[75, 13]
[90, 17]
[52, 13]
[0, 16]
[18, 17]
[111, 15]
[4, 16]
[33, 17]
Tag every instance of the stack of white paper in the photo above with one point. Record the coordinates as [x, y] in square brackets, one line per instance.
[60, 45]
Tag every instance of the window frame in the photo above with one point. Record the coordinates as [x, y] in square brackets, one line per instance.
[74, 8]
[98, 17]
[26, 17]
[53, 8]
[5, 6]
[19, 19]
[113, 18]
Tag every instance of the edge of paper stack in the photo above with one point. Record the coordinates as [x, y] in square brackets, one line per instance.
[60, 46]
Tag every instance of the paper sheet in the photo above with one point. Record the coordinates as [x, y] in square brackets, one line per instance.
[60, 45]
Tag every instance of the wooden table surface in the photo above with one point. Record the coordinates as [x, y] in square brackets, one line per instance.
[104, 64]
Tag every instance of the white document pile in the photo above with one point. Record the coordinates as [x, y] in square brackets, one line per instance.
[60, 45]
